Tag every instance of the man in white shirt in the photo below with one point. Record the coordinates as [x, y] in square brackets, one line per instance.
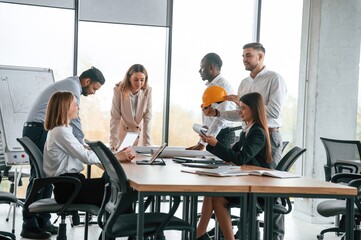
[210, 71]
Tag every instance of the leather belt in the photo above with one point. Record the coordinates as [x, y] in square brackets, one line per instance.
[33, 124]
[273, 129]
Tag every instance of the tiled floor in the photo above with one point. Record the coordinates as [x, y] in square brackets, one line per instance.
[296, 229]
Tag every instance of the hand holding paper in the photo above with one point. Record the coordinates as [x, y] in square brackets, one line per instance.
[128, 141]
[201, 130]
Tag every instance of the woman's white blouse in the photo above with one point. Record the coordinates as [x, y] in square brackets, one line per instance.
[63, 153]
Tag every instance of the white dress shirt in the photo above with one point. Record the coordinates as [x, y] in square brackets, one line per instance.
[216, 124]
[273, 90]
[64, 154]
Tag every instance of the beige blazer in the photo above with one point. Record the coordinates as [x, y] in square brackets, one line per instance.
[122, 121]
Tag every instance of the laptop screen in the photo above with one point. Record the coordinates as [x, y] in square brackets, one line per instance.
[157, 153]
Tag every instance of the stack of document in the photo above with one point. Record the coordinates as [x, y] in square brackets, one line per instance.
[201, 130]
[227, 171]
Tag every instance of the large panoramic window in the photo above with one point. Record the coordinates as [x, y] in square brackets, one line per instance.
[113, 48]
[216, 26]
[209, 26]
[281, 36]
[37, 37]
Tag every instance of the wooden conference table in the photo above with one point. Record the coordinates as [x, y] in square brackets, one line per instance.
[169, 180]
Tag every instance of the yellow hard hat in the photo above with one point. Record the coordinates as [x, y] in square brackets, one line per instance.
[213, 94]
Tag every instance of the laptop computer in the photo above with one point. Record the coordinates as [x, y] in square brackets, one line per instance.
[154, 160]
[205, 165]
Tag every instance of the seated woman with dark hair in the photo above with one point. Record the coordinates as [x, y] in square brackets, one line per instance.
[253, 148]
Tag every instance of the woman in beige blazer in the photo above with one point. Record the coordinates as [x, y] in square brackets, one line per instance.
[131, 107]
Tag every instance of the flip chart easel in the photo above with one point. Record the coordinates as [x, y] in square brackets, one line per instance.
[19, 87]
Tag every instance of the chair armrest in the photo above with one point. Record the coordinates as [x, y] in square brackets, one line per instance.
[285, 207]
[357, 184]
[344, 177]
[327, 172]
[102, 214]
[172, 211]
[341, 166]
[40, 183]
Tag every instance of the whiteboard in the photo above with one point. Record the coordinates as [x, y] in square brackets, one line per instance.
[19, 87]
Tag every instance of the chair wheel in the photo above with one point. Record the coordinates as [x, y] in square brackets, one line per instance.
[319, 237]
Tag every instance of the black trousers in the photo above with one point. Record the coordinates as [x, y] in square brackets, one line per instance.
[91, 192]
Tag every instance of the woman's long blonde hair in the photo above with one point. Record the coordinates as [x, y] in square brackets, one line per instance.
[57, 110]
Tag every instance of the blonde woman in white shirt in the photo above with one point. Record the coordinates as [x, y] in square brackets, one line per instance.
[64, 155]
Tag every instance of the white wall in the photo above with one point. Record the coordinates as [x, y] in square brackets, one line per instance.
[328, 86]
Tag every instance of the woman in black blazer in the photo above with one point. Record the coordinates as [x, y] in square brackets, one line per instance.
[253, 148]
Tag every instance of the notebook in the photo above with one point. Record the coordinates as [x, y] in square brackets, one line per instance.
[129, 140]
[154, 160]
[225, 171]
[272, 173]
[236, 171]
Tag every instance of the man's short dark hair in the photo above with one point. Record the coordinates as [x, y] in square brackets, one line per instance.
[94, 74]
[214, 59]
[255, 46]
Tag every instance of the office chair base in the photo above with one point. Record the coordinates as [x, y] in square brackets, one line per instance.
[356, 234]
[335, 230]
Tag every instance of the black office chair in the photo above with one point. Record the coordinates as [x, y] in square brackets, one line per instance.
[290, 158]
[49, 205]
[6, 173]
[337, 149]
[6, 197]
[333, 208]
[115, 218]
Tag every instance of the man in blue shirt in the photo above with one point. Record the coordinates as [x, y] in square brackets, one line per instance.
[38, 226]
